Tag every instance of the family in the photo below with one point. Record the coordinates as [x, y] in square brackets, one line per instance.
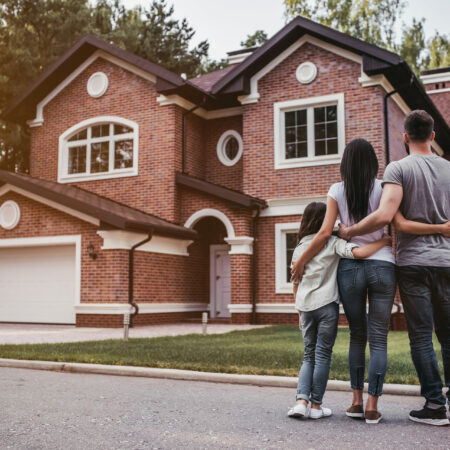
[358, 268]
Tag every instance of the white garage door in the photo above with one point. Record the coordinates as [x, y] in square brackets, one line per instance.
[37, 284]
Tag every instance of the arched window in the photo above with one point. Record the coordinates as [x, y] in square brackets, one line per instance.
[102, 147]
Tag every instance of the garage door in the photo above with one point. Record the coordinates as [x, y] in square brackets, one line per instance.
[37, 284]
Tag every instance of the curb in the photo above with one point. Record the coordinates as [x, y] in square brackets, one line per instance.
[190, 375]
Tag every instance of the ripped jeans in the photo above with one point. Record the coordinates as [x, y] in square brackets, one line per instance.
[375, 280]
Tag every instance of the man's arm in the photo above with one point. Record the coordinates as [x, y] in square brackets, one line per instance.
[409, 226]
[389, 204]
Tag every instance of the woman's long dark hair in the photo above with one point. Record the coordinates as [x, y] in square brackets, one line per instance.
[359, 168]
[312, 219]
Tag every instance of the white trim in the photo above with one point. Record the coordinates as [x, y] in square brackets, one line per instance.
[120, 239]
[240, 245]
[435, 77]
[281, 287]
[438, 91]
[240, 308]
[39, 119]
[63, 146]
[221, 147]
[280, 108]
[90, 89]
[16, 219]
[79, 215]
[437, 148]
[289, 206]
[51, 241]
[144, 308]
[164, 100]
[253, 96]
[209, 212]
[236, 59]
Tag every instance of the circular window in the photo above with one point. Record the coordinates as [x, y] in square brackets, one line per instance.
[306, 72]
[9, 215]
[97, 84]
[229, 148]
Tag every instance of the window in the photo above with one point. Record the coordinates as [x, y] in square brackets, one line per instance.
[98, 148]
[285, 243]
[229, 148]
[309, 132]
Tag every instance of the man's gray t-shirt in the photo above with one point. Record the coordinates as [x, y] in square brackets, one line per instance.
[426, 198]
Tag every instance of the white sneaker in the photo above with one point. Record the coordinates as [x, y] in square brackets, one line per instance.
[298, 410]
[319, 413]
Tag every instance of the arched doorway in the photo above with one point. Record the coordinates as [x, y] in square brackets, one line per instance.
[210, 254]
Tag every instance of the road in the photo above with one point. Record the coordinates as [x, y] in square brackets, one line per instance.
[47, 410]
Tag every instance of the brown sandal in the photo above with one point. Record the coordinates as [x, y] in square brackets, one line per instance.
[372, 416]
[355, 411]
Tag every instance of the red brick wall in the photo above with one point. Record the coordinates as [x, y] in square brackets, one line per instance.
[131, 97]
[441, 99]
[363, 118]
[396, 142]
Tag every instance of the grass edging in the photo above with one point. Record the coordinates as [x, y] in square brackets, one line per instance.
[191, 375]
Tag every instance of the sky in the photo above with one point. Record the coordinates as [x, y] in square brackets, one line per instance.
[225, 23]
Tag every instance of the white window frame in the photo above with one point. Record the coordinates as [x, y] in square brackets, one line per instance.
[281, 229]
[280, 108]
[64, 144]
[221, 147]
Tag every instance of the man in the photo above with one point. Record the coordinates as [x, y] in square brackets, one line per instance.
[419, 186]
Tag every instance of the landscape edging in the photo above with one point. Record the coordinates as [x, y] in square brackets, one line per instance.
[191, 375]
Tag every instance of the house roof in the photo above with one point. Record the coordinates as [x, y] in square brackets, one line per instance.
[434, 71]
[207, 81]
[19, 110]
[224, 193]
[109, 212]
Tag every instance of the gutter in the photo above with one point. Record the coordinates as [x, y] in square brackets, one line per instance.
[254, 261]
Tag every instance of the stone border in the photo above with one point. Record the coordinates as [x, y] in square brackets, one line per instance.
[190, 375]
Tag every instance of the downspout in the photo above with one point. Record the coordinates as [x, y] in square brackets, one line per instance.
[254, 265]
[131, 273]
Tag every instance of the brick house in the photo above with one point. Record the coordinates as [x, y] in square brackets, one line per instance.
[184, 196]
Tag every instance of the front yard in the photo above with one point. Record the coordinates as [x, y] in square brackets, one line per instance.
[275, 350]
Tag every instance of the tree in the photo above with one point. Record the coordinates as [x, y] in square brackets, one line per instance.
[439, 51]
[255, 40]
[34, 33]
[412, 48]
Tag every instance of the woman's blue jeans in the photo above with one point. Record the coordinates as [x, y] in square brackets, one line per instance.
[358, 281]
[319, 329]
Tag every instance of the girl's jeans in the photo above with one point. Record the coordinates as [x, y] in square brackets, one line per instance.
[375, 280]
[319, 329]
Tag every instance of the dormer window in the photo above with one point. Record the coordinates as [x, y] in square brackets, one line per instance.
[104, 147]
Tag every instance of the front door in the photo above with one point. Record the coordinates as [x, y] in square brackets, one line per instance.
[220, 281]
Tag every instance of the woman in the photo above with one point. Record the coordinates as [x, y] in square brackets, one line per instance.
[355, 197]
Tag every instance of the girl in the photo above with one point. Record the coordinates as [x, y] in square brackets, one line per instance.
[317, 302]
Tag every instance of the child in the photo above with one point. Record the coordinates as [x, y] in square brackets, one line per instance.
[317, 302]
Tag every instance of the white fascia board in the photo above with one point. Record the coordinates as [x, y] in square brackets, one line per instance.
[289, 206]
[79, 215]
[438, 91]
[124, 240]
[435, 78]
[39, 119]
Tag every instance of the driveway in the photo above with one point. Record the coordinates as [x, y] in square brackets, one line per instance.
[48, 410]
[36, 334]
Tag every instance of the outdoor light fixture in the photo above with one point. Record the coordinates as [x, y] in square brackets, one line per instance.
[91, 252]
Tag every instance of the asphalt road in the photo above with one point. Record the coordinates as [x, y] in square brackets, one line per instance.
[46, 410]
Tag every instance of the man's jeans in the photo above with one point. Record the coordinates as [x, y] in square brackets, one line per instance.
[319, 329]
[425, 293]
[375, 280]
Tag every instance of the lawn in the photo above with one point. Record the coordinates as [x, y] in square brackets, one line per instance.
[275, 350]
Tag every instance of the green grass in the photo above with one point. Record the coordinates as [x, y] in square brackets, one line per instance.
[273, 350]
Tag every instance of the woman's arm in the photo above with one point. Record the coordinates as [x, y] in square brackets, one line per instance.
[369, 249]
[409, 226]
[319, 240]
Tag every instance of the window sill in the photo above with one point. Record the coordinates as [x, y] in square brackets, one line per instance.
[98, 176]
[287, 288]
[307, 162]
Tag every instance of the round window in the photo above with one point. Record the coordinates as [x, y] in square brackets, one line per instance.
[97, 84]
[306, 72]
[229, 148]
[9, 215]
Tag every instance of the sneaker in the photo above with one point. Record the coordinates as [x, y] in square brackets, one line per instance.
[430, 416]
[373, 416]
[319, 413]
[298, 410]
[355, 411]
